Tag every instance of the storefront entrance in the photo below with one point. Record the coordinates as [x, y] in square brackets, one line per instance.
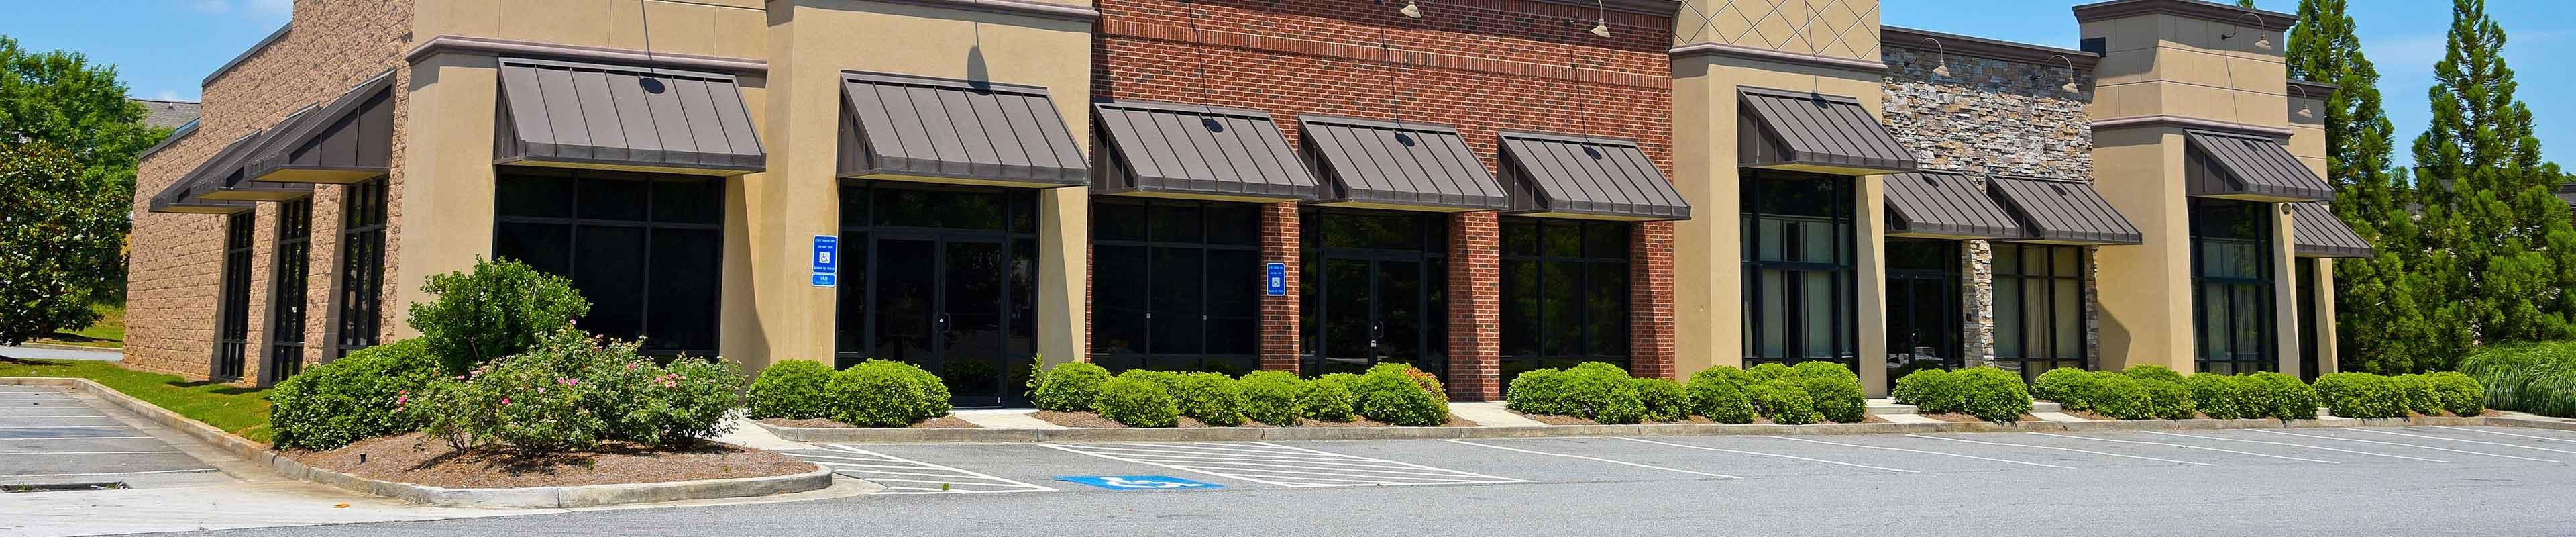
[1923, 328]
[944, 279]
[1375, 286]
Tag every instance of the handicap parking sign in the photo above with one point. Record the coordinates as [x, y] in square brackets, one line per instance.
[1139, 482]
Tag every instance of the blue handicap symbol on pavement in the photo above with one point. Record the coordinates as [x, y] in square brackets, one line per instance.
[1139, 482]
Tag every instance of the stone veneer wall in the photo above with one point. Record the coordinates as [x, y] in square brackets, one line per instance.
[1992, 117]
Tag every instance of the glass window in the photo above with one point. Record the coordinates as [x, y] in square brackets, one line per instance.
[1800, 285]
[647, 250]
[232, 331]
[362, 264]
[1564, 294]
[1375, 290]
[1923, 330]
[1177, 285]
[2039, 308]
[2231, 245]
[287, 292]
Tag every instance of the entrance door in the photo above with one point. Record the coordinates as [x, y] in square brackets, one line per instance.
[940, 305]
[2308, 333]
[1923, 330]
[1374, 310]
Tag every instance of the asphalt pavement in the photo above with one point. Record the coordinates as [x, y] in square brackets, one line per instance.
[2419, 480]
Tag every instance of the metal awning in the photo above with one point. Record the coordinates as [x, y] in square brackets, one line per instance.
[939, 130]
[346, 141]
[1585, 177]
[1194, 151]
[1797, 130]
[169, 202]
[1397, 165]
[2317, 232]
[1945, 205]
[187, 193]
[617, 117]
[2054, 211]
[226, 179]
[2252, 168]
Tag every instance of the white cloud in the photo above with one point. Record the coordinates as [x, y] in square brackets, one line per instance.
[166, 95]
[272, 8]
[210, 6]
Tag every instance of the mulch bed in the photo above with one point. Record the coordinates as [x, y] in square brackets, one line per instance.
[1969, 418]
[943, 422]
[1095, 421]
[423, 460]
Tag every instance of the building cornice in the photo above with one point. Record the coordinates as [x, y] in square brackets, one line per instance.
[2310, 89]
[263, 43]
[1764, 54]
[1966, 45]
[1025, 8]
[2197, 9]
[2161, 120]
[485, 46]
[1659, 8]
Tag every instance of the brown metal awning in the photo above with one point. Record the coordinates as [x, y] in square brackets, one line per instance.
[616, 117]
[169, 202]
[938, 130]
[226, 180]
[1944, 205]
[1397, 165]
[2053, 211]
[2317, 232]
[1194, 151]
[187, 194]
[1803, 131]
[2252, 168]
[346, 141]
[1568, 176]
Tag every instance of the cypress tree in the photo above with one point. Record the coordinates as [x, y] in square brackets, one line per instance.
[2382, 324]
[2498, 240]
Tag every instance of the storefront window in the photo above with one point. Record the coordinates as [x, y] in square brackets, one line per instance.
[2039, 308]
[1176, 285]
[2231, 276]
[645, 249]
[1923, 328]
[362, 265]
[1565, 294]
[943, 277]
[286, 292]
[1798, 268]
[1375, 290]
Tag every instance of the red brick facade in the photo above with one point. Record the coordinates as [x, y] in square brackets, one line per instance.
[1479, 65]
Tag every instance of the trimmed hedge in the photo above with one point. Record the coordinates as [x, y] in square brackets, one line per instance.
[353, 398]
[2418, 394]
[792, 389]
[1663, 399]
[2061, 385]
[2362, 395]
[1402, 395]
[1930, 390]
[1597, 391]
[1212, 398]
[1271, 397]
[1991, 394]
[1068, 387]
[1330, 398]
[2457, 393]
[1137, 401]
[2281, 396]
[886, 393]
[2221, 396]
[2152, 372]
[1719, 393]
[2110, 393]
[2165, 399]
[1784, 401]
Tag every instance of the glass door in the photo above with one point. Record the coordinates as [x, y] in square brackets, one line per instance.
[1923, 329]
[1375, 309]
[940, 305]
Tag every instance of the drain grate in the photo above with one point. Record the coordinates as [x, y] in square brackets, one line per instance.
[58, 487]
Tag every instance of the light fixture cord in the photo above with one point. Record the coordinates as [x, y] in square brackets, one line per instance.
[651, 67]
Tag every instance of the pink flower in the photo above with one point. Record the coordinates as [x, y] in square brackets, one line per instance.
[569, 382]
[400, 399]
[505, 401]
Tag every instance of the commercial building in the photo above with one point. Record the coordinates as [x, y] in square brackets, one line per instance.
[1473, 187]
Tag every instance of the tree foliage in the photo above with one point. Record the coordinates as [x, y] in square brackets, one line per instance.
[54, 233]
[59, 98]
[2379, 302]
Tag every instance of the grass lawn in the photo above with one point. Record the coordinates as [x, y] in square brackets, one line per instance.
[242, 411]
[108, 332]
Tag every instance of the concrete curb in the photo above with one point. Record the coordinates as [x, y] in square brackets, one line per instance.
[511, 498]
[1255, 434]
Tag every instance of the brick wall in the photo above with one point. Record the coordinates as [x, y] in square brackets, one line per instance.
[1480, 65]
[172, 293]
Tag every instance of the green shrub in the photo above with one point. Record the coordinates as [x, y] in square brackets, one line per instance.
[791, 389]
[1401, 395]
[2361, 395]
[1271, 396]
[1067, 387]
[1213, 398]
[1837, 398]
[1930, 390]
[1168, 380]
[2281, 396]
[2419, 394]
[2165, 399]
[884, 393]
[679, 403]
[1663, 399]
[1824, 370]
[531, 408]
[1593, 390]
[1329, 398]
[1137, 402]
[1765, 373]
[1991, 394]
[2457, 393]
[353, 398]
[1543, 391]
[2152, 372]
[2060, 385]
[2221, 396]
[2538, 378]
[2110, 393]
[1784, 401]
[1718, 392]
[499, 308]
[573, 390]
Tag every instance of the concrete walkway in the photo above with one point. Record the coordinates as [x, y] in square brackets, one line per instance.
[49, 352]
[1005, 419]
[1491, 414]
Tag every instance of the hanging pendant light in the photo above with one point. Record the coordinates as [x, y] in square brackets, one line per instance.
[1601, 19]
[1411, 10]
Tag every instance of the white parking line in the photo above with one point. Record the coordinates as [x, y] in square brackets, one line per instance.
[2295, 445]
[2535, 437]
[2034, 446]
[84, 452]
[2206, 448]
[59, 416]
[190, 470]
[2402, 444]
[8, 439]
[875, 467]
[2468, 441]
[1273, 464]
[1596, 459]
[1758, 453]
[2045, 465]
[59, 427]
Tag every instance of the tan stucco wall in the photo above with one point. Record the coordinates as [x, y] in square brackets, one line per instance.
[1845, 29]
[2172, 65]
[2145, 288]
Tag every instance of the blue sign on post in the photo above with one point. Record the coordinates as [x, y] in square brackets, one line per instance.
[827, 260]
[1139, 482]
[1277, 279]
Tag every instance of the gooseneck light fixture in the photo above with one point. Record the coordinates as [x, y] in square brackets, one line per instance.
[1941, 65]
[2262, 35]
[2304, 111]
[1411, 9]
[1601, 21]
[2070, 86]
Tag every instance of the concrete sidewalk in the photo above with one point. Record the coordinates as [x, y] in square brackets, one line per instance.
[50, 352]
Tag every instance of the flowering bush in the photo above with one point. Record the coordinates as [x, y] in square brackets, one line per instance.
[352, 398]
[573, 391]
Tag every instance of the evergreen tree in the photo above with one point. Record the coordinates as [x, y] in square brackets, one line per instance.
[2382, 324]
[2499, 241]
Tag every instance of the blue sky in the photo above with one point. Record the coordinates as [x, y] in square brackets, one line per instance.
[163, 47]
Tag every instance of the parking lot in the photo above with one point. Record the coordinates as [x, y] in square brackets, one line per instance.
[52, 437]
